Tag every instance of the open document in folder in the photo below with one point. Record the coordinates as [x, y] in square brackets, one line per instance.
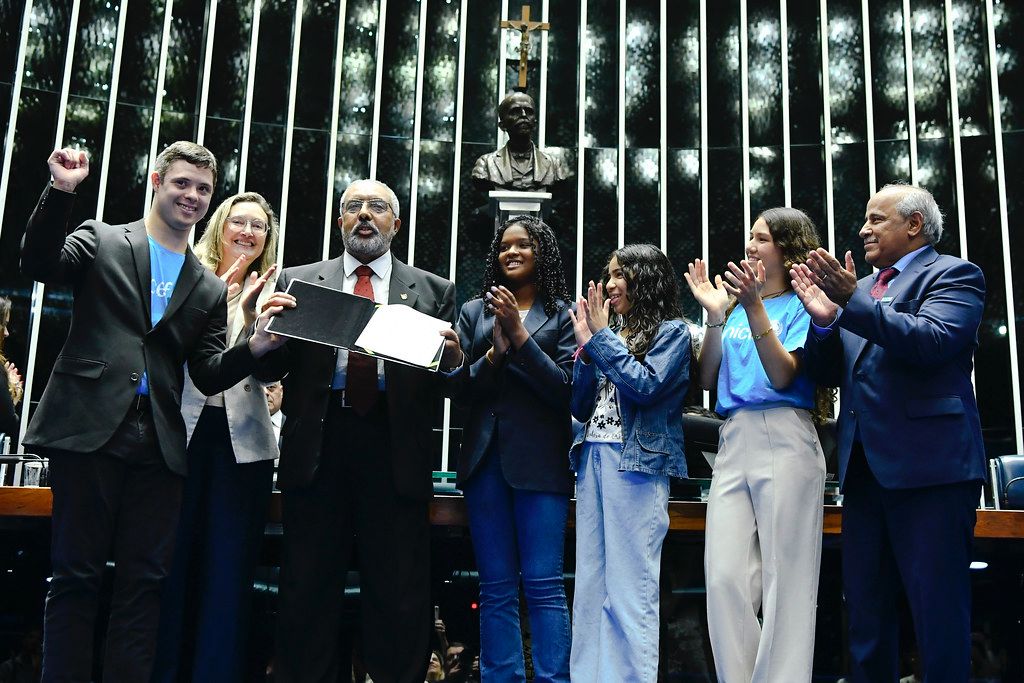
[393, 332]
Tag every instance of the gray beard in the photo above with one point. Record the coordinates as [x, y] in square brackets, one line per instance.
[366, 249]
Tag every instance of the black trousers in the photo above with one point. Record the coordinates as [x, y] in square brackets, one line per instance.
[352, 504]
[107, 506]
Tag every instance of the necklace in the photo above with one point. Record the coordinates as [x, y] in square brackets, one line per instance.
[772, 295]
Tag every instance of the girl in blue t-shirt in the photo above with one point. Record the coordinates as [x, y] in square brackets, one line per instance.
[763, 538]
[629, 382]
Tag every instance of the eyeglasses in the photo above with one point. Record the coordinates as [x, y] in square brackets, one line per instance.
[377, 206]
[257, 225]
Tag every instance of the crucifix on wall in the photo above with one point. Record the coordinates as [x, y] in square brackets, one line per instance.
[524, 26]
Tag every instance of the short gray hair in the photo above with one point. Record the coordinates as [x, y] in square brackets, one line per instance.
[919, 200]
[392, 197]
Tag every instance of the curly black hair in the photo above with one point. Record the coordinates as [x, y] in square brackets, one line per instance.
[549, 275]
[652, 289]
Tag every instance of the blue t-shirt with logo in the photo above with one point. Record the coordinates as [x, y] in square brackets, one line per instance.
[164, 268]
[742, 381]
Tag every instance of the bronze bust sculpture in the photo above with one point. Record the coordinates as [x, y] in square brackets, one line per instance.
[519, 165]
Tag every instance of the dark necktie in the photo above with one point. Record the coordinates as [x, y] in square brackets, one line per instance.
[361, 390]
[881, 285]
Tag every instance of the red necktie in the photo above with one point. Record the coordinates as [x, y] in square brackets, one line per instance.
[361, 391]
[881, 285]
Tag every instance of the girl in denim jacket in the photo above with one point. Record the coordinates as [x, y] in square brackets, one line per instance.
[629, 382]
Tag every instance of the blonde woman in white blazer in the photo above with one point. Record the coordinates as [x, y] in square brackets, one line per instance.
[231, 452]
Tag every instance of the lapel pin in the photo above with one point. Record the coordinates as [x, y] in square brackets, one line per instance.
[404, 296]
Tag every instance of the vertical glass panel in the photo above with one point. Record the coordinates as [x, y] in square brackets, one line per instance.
[475, 230]
[850, 196]
[764, 73]
[266, 161]
[981, 202]
[128, 168]
[972, 77]
[846, 71]
[726, 232]
[766, 178]
[140, 55]
[394, 167]
[684, 220]
[480, 80]
[315, 82]
[47, 46]
[931, 76]
[806, 105]
[11, 13]
[434, 206]
[602, 117]
[224, 139]
[725, 170]
[889, 92]
[93, 61]
[643, 205]
[600, 229]
[807, 168]
[229, 65]
[643, 93]
[683, 73]
[359, 67]
[440, 57]
[183, 76]
[307, 192]
[398, 87]
[1008, 20]
[563, 75]
[936, 174]
[273, 66]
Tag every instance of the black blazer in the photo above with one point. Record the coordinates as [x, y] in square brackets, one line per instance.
[413, 395]
[521, 407]
[111, 340]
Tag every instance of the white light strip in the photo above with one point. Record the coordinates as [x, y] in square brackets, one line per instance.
[908, 58]
[1004, 224]
[417, 130]
[38, 288]
[787, 177]
[250, 80]
[826, 96]
[869, 105]
[744, 120]
[204, 92]
[500, 138]
[332, 145]
[620, 191]
[705, 225]
[542, 129]
[108, 135]
[289, 134]
[454, 253]
[12, 120]
[954, 126]
[382, 17]
[581, 138]
[663, 121]
[161, 74]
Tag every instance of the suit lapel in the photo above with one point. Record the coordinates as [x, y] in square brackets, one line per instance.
[333, 274]
[188, 278]
[902, 282]
[402, 287]
[138, 240]
[536, 317]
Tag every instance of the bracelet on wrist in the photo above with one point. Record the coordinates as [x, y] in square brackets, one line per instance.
[763, 334]
[721, 324]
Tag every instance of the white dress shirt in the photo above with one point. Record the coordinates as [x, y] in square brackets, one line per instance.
[381, 282]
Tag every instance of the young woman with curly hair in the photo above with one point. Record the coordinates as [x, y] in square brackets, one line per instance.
[763, 539]
[629, 383]
[518, 341]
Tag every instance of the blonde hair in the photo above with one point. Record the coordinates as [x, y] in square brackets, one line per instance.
[210, 248]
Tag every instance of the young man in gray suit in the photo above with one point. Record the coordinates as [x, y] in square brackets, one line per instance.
[110, 418]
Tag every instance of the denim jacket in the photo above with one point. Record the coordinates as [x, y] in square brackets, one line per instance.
[650, 395]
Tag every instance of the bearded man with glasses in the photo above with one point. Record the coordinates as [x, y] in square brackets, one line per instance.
[355, 467]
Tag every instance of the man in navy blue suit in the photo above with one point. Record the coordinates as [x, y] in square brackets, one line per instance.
[900, 344]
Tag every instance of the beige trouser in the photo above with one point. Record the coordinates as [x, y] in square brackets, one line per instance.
[763, 546]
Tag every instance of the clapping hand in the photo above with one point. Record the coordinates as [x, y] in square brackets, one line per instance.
[253, 289]
[713, 297]
[14, 380]
[745, 282]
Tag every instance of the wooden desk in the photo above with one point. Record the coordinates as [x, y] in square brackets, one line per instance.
[684, 516]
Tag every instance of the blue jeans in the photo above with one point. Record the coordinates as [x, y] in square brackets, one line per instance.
[517, 534]
[621, 522]
[205, 599]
